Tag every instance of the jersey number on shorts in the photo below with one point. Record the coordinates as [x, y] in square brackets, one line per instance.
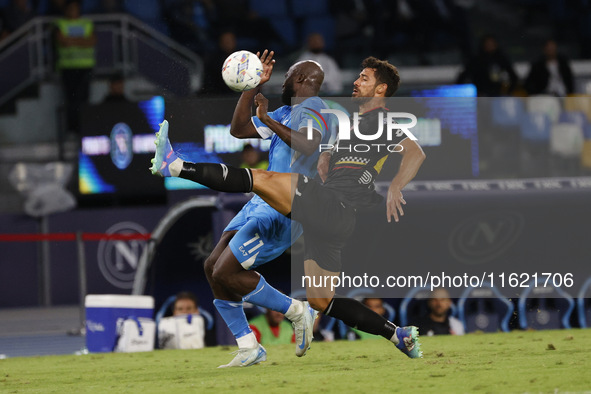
[247, 247]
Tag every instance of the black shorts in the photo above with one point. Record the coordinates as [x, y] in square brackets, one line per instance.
[327, 222]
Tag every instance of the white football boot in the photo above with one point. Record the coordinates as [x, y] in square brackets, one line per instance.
[247, 357]
[303, 326]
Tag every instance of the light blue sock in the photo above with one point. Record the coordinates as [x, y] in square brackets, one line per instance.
[233, 314]
[268, 297]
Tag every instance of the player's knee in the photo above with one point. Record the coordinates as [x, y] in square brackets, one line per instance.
[260, 176]
[319, 304]
[208, 267]
[219, 276]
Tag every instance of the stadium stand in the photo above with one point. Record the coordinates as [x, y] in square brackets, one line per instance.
[484, 309]
[270, 9]
[566, 145]
[551, 307]
[323, 25]
[584, 304]
[535, 128]
[89, 6]
[414, 305]
[507, 111]
[549, 105]
[149, 12]
[586, 156]
[574, 117]
[578, 102]
[535, 137]
[311, 7]
[286, 28]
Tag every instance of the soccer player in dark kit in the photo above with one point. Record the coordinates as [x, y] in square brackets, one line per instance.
[327, 211]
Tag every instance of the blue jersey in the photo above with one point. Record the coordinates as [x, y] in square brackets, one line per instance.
[263, 233]
[304, 116]
[279, 152]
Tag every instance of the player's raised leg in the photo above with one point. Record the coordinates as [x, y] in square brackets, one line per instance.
[165, 162]
[275, 188]
[355, 314]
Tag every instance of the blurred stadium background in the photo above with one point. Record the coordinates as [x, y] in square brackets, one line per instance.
[506, 146]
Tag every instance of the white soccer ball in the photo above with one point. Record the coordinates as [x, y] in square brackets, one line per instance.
[242, 71]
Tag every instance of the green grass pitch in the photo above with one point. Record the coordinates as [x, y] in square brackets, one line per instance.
[542, 361]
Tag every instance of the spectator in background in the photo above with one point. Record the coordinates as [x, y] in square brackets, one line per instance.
[438, 321]
[395, 26]
[353, 29]
[438, 21]
[75, 41]
[271, 328]
[191, 24]
[185, 304]
[185, 329]
[116, 90]
[333, 79]
[551, 73]
[490, 70]
[251, 158]
[236, 15]
[214, 84]
[16, 15]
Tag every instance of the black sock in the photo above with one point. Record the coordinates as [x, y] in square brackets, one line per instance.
[356, 315]
[218, 176]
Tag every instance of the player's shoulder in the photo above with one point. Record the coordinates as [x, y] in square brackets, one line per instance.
[283, 109]
[314, 102]
[280, 113]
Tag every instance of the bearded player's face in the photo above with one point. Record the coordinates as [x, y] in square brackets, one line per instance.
[364, 88]
[288, 88]
[288, 93]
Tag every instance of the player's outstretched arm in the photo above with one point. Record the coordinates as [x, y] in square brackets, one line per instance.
[323, 165]
[241, 125]
[297, 140]
[412, 159]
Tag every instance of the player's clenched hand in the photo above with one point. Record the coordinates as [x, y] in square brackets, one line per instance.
[268, 62]
[394, 203]
[262, 104]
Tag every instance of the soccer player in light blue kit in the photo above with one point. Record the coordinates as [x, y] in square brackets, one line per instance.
[258, 233]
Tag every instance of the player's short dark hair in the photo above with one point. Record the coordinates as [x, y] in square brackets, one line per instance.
[385, 73]
[186, 295]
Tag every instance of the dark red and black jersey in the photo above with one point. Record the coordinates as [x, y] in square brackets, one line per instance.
[355, 163]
